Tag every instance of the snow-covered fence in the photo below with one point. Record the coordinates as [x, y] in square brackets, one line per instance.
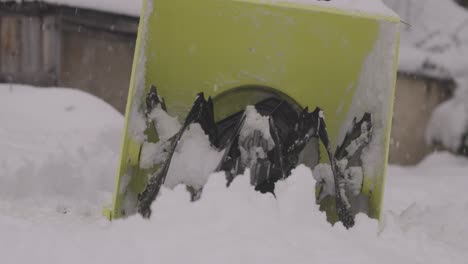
[49, 45]
[28, 50]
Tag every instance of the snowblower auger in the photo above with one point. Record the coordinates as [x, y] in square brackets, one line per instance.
[273, 59]
[290, 132]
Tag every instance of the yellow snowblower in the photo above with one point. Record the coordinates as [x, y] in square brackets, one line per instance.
[272, 84]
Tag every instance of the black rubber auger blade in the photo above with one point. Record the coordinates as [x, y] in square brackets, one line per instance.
[202, 113]
[342, 209]
[356, 139]
[308, 126]
[153, 100]
[351, 149]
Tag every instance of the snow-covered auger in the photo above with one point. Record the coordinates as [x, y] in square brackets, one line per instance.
[261, 65]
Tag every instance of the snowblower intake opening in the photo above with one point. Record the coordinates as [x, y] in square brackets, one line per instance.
[267, 138]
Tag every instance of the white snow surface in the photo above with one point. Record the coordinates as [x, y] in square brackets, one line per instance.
[166, 125]
[373, 7]
[58, 157]
[194, 159]
[58, 148]
[125, 7]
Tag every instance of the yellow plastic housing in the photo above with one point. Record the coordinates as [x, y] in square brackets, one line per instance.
[341, 61]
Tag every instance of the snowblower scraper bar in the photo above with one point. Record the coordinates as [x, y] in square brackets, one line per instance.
[290, 132]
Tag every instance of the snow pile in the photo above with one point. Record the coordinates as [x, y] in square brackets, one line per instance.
[166, 125]
[194, 158]
[374, 7]
[125, 7]
[435, 43]
[59, 143]
[239, 225]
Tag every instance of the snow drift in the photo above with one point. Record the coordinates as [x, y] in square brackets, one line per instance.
[58, 147]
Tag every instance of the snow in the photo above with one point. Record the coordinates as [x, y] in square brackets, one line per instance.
[166, 125]
[256, 122]
[58, 148]
[51, 215]
[434, 41]
[137, 125]
[194, 159]
[125, 7]
[372, 7]
[323, 174]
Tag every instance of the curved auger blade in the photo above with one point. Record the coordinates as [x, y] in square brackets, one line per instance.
[153, 100]
[230, 162]
[347, 154]
[202, 113]
[356, 139]
[343, 208]
[312, 124]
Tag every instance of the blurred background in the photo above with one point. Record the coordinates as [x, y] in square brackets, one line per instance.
[89, 45]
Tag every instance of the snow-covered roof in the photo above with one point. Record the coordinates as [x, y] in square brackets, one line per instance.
[124, 7]
[434, 41]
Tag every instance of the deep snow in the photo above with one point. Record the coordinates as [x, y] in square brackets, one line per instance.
[59, 151]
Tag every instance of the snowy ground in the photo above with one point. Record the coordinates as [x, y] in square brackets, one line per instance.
[58, 156]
